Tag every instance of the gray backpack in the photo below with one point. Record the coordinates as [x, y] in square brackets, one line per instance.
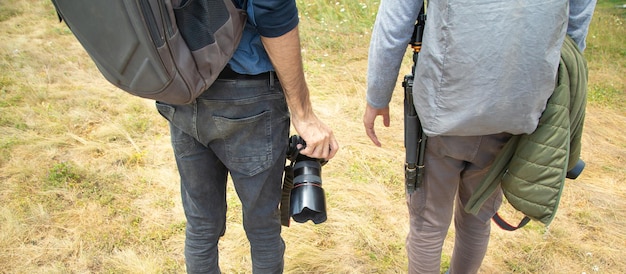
[167, 50]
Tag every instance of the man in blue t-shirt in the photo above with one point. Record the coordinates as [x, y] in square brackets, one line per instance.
[240, 125]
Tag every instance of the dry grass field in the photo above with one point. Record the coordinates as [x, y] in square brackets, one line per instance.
[88, 182]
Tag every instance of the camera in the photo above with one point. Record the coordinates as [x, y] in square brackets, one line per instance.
[307, 200]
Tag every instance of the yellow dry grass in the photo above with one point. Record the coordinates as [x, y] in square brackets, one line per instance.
[88, 182]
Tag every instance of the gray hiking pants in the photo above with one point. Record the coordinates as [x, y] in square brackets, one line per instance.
[454, 167]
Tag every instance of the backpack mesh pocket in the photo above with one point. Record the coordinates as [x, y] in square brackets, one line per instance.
[198, 20]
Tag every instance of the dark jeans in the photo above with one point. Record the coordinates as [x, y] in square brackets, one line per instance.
[239, 127]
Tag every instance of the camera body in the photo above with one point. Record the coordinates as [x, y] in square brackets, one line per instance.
[307, 200]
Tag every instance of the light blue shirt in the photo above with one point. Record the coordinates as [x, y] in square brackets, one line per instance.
[485, 66]
[580, 13]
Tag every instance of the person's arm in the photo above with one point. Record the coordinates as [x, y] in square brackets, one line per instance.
[580, 13]
[389, 42]
[284, 52]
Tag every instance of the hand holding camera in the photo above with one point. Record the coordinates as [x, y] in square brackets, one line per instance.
[303, 184]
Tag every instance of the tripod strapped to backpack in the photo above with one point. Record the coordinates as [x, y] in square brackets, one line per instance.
[414, 137]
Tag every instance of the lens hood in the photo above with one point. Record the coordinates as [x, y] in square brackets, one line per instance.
[308, 203]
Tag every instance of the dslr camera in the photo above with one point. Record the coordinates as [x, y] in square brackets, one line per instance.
[307, 200]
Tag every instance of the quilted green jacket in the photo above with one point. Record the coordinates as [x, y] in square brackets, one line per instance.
[531, 168]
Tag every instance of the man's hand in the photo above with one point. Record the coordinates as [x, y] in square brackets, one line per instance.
[370, 117]
[284, 52]
[319, 138]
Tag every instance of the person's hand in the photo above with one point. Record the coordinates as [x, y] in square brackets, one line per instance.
[285, 53]
[370, 117]
[319, 138]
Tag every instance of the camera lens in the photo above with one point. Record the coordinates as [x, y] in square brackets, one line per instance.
[307, 196]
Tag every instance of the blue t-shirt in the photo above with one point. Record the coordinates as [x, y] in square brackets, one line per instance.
[268, 18]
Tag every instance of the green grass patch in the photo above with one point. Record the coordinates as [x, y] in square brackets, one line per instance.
[605, 54]
[607, 95]
[64, 175]
[330, 30]
[7, 13]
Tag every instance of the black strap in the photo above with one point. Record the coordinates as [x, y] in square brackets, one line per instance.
[506, 226]
[286, 196]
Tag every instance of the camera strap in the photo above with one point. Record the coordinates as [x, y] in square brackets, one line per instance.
[286, 195]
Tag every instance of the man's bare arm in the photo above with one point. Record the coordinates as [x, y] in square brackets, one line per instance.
[284, 52]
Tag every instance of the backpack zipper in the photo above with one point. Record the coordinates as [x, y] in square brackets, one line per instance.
[155, 33]
[168, 20]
